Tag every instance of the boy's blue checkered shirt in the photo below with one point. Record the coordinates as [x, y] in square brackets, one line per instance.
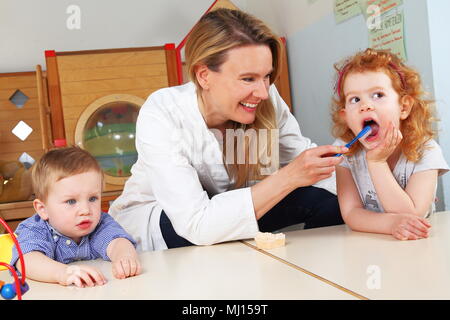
[35, 234]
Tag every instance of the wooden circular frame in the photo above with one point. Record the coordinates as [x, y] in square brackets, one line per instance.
[87, 113]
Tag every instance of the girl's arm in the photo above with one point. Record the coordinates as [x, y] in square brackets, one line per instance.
[419, 192]
[42, 268]
[401, 226]
[352, 209]
[415, 199]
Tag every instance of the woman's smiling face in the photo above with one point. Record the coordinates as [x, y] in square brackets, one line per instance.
[370, 99]
[242, 82]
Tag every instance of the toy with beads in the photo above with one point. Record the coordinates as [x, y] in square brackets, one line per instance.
[19, 286]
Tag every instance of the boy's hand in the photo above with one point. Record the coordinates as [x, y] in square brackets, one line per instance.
[126, 266]
[81, 276]
[124, 258]
[409, 227]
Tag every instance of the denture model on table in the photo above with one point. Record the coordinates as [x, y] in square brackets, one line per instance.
[267, 240]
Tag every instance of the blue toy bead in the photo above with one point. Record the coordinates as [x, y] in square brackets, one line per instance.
[8, 291]
[23, 288]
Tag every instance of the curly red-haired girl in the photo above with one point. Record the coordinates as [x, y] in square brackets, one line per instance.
[393, 170]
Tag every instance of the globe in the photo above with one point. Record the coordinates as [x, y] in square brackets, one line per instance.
[109, 135]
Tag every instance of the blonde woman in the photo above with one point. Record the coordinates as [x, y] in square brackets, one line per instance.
[221, 157]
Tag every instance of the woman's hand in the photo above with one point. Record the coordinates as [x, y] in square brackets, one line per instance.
[390, 141]
[307, 168]
[409, 227]
[81, 276]
[314, 164]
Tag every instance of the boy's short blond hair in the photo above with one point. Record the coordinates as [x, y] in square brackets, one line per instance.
[58, 164]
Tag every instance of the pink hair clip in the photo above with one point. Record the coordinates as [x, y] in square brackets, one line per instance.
[400, 74]
[337, 87]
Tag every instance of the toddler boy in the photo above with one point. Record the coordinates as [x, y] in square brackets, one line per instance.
[69, 224]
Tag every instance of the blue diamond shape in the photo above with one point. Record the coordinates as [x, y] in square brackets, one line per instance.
[19, 99]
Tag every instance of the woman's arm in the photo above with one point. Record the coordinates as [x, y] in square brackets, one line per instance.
[180, 163]
[309, 167]
[302, 162]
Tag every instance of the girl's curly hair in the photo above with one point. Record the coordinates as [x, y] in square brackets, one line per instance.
[417, 128]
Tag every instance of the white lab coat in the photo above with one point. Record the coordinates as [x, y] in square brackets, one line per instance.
[180, 170]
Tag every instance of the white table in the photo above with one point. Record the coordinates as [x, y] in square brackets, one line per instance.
[226, 271]
[372, 265]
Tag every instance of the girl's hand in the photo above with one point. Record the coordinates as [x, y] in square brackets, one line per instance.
[81, 276]
[390, 141]
[315, 164]
[126, 266]
[409, 227]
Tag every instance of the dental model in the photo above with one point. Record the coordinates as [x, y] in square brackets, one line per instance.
[361, 136]
[267, 240]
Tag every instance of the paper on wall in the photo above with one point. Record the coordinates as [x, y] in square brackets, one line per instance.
[383, 5]
[390, 36]
[345, 9]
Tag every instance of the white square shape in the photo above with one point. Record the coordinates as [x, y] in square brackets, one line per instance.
[22, 130]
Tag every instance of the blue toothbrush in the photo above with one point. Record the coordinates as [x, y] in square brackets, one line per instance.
[363, 134]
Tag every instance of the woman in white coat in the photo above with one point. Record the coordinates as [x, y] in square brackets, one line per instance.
[221, 158]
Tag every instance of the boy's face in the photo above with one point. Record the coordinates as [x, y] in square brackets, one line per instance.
[370, 99]
[73, 204]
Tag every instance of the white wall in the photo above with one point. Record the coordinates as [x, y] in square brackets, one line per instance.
[440, 52]
[29, 27]
[289, 16]
[315, 45]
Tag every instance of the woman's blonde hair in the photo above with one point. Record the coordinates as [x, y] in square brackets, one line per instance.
[208, 44]
[416, 129]
[58, 164]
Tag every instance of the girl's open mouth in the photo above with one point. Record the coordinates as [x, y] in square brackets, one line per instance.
[375, 129]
